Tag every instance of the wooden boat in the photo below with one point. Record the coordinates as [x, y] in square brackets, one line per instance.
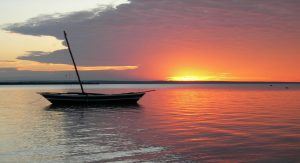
[90, 98]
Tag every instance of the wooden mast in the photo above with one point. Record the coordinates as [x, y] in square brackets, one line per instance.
[69, 48]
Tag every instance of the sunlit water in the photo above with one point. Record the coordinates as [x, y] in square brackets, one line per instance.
[176, 123]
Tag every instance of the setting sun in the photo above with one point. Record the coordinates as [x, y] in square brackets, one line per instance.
[185, 78]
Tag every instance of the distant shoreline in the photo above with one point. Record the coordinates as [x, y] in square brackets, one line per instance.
[139, 82]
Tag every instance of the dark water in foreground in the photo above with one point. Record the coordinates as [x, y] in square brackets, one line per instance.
[177, 123]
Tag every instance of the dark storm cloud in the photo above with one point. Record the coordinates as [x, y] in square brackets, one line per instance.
[136, 33]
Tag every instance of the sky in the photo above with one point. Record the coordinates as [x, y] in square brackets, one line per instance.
[230, 40]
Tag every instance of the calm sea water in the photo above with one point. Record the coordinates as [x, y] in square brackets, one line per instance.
[176, 123]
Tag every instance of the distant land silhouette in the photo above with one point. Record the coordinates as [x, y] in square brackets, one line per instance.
[140, 82]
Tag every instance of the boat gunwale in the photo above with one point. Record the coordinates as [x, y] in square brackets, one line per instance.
[92, 94]
[87, 95]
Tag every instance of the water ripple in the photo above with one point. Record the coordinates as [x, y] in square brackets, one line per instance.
[174, 124]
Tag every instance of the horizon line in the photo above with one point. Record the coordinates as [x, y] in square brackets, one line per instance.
[36, 82]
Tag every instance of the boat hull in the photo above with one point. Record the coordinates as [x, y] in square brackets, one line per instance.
[91, 98]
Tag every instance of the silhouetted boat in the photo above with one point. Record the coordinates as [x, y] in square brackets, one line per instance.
[90, 98]
[93, 98]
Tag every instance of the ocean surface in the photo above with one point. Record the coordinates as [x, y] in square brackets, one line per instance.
[176, 123]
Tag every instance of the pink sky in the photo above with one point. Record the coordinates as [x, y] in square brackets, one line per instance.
[247, 40]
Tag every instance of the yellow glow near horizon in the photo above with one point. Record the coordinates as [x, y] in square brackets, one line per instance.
[185, 78]
[194, 74]
[190, 74]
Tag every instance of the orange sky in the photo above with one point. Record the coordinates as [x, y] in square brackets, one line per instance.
[252, 58]
[151, 40]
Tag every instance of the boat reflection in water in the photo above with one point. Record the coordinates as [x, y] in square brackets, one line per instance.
[102, 133]
[91, 107]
